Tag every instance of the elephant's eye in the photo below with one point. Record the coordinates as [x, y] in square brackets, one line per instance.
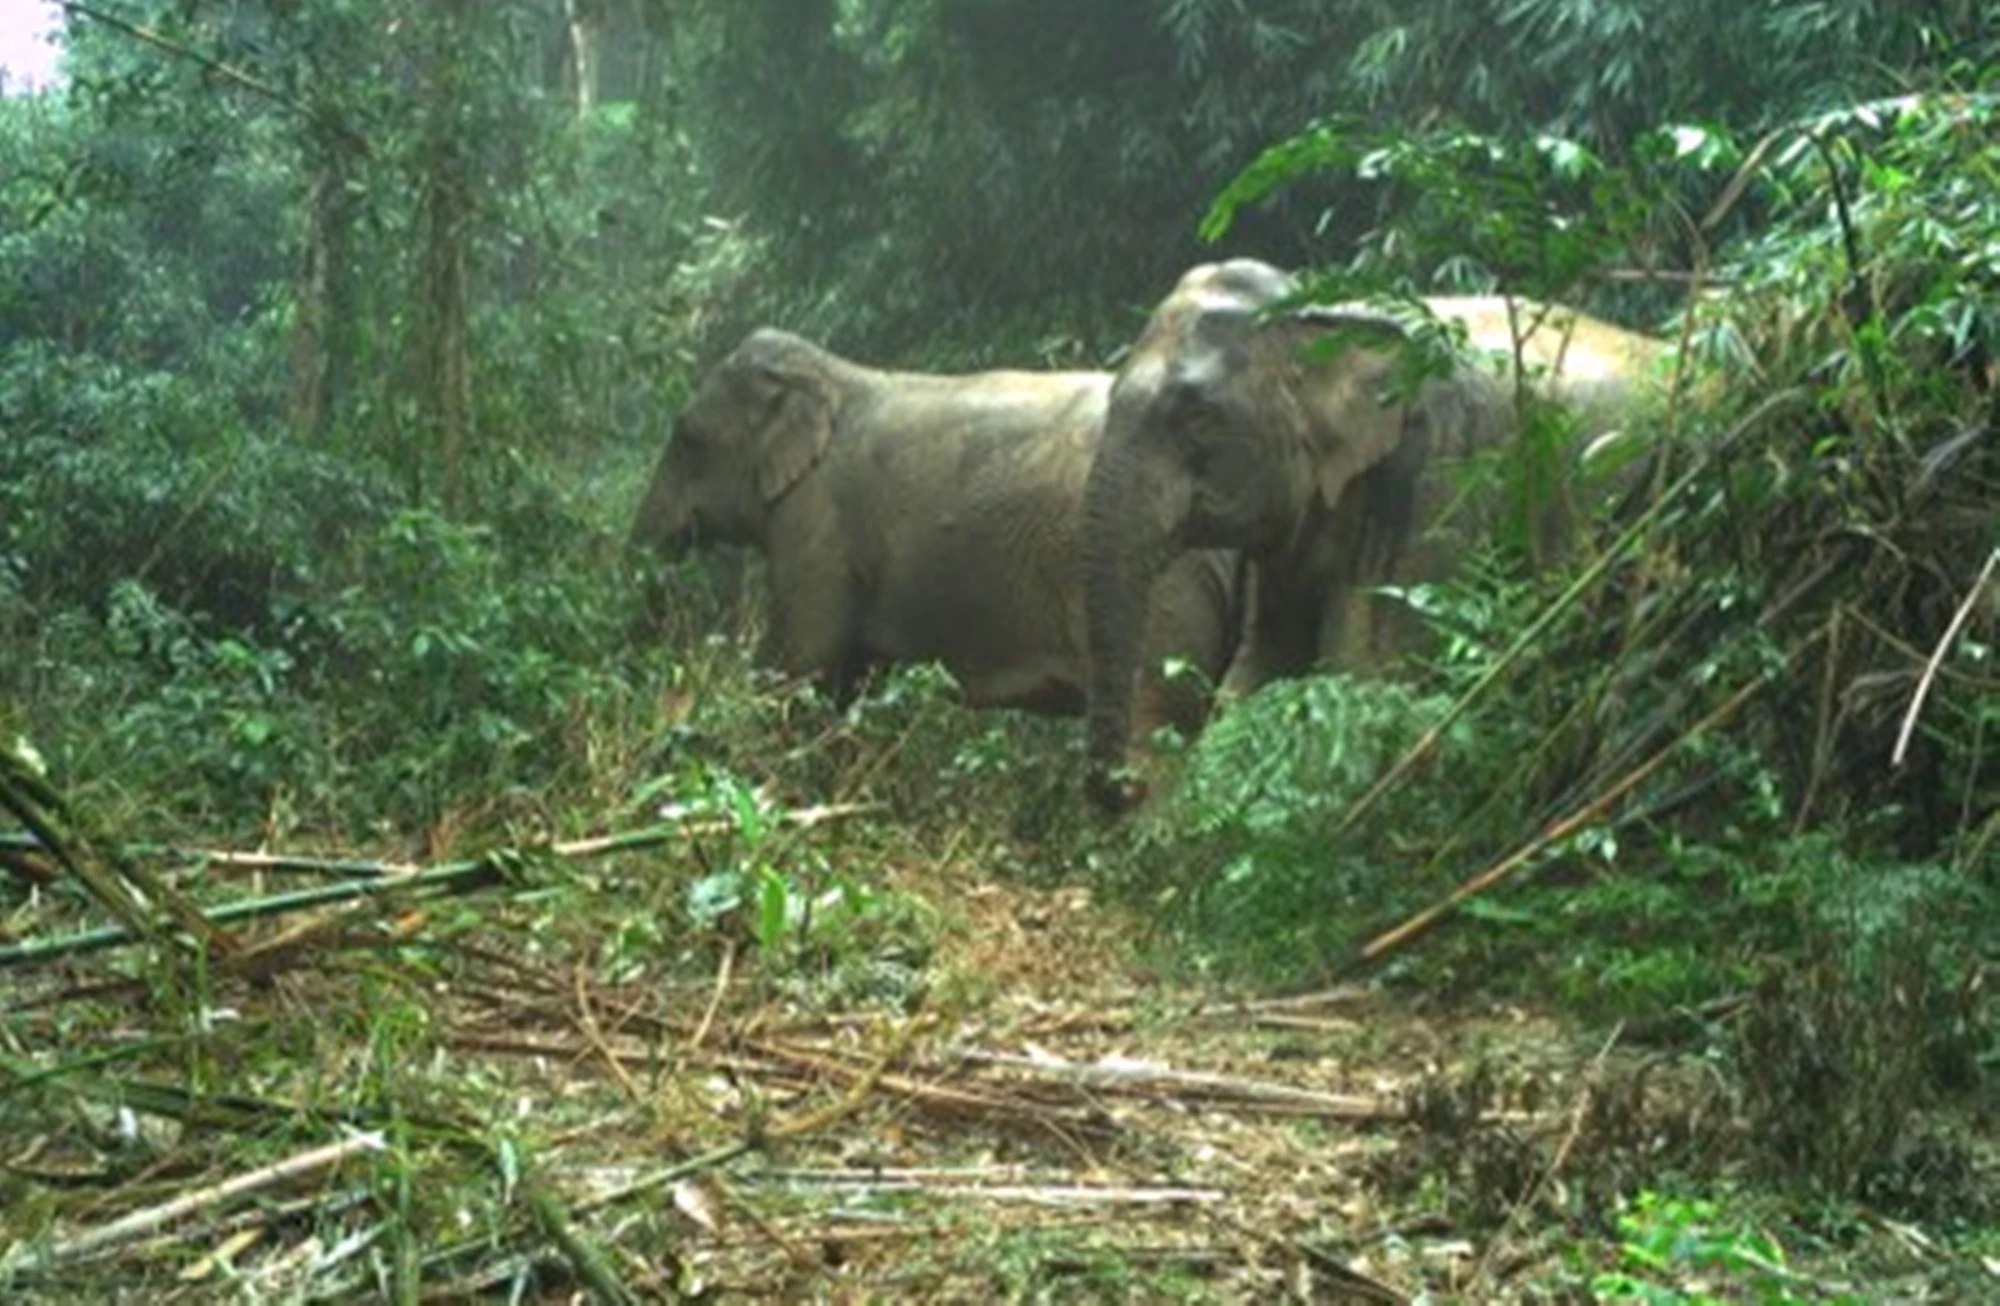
[1206, 454]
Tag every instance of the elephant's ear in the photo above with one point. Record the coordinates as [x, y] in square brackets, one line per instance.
[1337, 470]
[1357, 424]
[793, 439]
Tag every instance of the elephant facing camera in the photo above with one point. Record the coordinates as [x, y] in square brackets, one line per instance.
[1308, 440]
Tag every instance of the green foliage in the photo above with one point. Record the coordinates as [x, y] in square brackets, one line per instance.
[124, 237]
[111, 472]
[1243, 854]
[835, 936]
[1134, 113]
[1539, 215]
[1686, 1252]
[472, 661]
[1866, 1019]
[1910, 257]
[1127, 110]
[1602, 72]
[453, 670]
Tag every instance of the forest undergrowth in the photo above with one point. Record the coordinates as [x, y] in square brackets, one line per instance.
[405, 894]
[700, 985]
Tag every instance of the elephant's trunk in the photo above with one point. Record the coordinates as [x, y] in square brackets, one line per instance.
[660, 534]
[662, 529]
[1132, 521]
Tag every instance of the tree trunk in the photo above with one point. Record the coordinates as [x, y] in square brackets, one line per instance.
[444, 348]
[657, 89]
[585, 20]
[323, 331]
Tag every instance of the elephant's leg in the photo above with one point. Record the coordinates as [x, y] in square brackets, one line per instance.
[1196, 627]
[1346, 640]
[1245, 670]
[1282, 618]
[1357, 547]
[809, 612]
[800, 641]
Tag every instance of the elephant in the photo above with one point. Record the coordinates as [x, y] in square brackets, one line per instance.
[1225, 429]
[908, 517]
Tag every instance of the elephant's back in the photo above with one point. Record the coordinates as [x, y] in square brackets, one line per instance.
[1571, 345]
[1596, 369]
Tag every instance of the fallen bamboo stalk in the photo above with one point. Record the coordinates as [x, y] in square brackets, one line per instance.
[1040, 1194]
[129, 892]
[1339, 994]
[808, 1175]
[486, 1241]
[592, 1266]
[364, 868]
[943, 1098]
[858, 1091]
[1563, 828]
[255, 1220]
[140, 1223]
[347, 867]
[1304, 1024]
[1227, 1086]
[449, 877]
[453, 876]
[803, 1069]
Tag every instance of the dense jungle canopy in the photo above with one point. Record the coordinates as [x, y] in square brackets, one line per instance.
[338, 339]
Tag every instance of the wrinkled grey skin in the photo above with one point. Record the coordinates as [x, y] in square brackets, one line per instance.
[907, 518]
[1226, 431]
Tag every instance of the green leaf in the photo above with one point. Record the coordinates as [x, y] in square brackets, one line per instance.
[774, 897]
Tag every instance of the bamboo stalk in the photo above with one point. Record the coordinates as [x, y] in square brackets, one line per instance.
[1562, 829]
[140, 1223]
[1958, 620]
[589, 1261]
[1422, 749]
[1041, 1194]
[1226, 1087]
[449, 877]
[128, 891]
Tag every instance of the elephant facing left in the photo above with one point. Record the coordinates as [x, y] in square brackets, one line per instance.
[908, 517]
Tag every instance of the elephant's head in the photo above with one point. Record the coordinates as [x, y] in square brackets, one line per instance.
[1225, 431]
[758, 423]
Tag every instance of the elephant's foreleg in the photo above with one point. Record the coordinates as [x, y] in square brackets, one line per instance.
[1280, 627]
[809, 627]
[1347, 634]
[1194, 627]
